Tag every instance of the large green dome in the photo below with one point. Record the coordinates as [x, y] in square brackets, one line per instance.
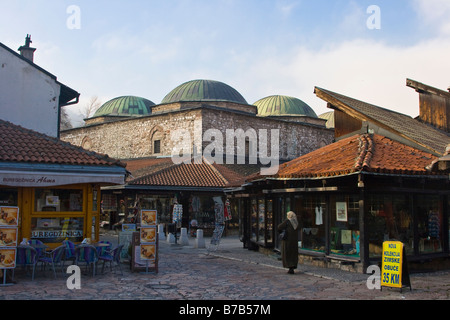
[125, 106]
[283, 106]
[204, 90]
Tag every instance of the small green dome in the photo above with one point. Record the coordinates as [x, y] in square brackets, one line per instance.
[283, 106]
[204, 90]
[125, 106]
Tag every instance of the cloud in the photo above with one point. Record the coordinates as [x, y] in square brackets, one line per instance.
[369, 70]
[435, 14]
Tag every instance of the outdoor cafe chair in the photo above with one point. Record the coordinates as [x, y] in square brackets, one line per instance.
[87, 254]
[27, 256]
[111, 257]
[38, 245]
[53, 258]
[69, 252]
[104, 249]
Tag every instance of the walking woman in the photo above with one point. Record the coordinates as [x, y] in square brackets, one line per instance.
[289, 247]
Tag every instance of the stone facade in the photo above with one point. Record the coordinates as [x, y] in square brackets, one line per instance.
[153, 135]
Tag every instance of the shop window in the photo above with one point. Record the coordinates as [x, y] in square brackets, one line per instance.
[430, 223]
[261, 220]
[56, 230]
[254, 220]
[344, 231]
[269, 221]
[162, 204]
[389, 218]
[59, 200]
[235, 225]
[8, 197]
[312, 236]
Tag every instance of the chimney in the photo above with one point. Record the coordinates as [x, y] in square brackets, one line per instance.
[434, 105]
[26, 51]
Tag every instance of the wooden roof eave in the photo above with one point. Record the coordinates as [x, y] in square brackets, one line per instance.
[341, 106]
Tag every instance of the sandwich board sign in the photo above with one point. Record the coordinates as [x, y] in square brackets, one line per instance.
[394, 271]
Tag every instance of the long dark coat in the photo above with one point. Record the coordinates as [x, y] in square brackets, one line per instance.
[289, 247]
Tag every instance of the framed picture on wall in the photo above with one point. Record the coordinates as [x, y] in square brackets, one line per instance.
[341, 211]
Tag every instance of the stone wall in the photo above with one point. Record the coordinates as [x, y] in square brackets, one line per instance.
[295, 138]
[128, 139]
[134, 138]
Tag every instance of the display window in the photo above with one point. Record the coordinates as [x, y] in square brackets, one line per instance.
[269, 221]
[59, 214]
[58, 200]
[261, 221]
[56, 230]
[344, 225]
[389, 218]
[234, 223]
[162, 204]
[201, 212]
[254, 220]
[313, 210]
[8, 197]
[430, 223]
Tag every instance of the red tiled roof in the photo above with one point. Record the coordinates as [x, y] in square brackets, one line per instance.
[368, 153]
[21, 145]
[163, 172]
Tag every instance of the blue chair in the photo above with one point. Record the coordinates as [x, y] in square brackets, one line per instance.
[87, 254]
[53, 258]
[112, 256]
[104, 250]
[27, 256]
[69, 252]
[38, 245]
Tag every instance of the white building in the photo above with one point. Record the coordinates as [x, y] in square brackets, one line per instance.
[29, 95]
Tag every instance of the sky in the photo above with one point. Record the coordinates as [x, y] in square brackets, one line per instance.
[362, 49]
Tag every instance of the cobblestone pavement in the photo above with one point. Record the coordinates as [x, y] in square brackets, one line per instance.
[228, 273]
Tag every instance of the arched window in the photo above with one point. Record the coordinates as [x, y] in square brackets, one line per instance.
[157, 141]
[86, 143]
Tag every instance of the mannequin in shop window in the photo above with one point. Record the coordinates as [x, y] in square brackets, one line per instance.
[289, 247]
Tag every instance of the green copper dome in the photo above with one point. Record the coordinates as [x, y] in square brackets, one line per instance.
[125, 106]
[204, 90]
[283, 106]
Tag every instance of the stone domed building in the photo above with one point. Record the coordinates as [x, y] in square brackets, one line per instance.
[145, 135]
[130, 127]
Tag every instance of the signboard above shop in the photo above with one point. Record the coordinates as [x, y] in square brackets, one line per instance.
[49, 179]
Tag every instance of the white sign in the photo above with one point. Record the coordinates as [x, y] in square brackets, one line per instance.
[29, 179]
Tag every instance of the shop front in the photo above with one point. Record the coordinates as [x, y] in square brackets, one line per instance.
[54, 214]
[197, 207]
[54, 186]
[346, 215]
[192, 191]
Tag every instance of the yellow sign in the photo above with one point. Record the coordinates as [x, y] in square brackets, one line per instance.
[391, 265]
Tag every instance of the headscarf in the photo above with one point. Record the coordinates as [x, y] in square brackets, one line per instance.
[293, 219]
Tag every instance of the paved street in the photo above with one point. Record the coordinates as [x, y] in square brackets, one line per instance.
[229, 273]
